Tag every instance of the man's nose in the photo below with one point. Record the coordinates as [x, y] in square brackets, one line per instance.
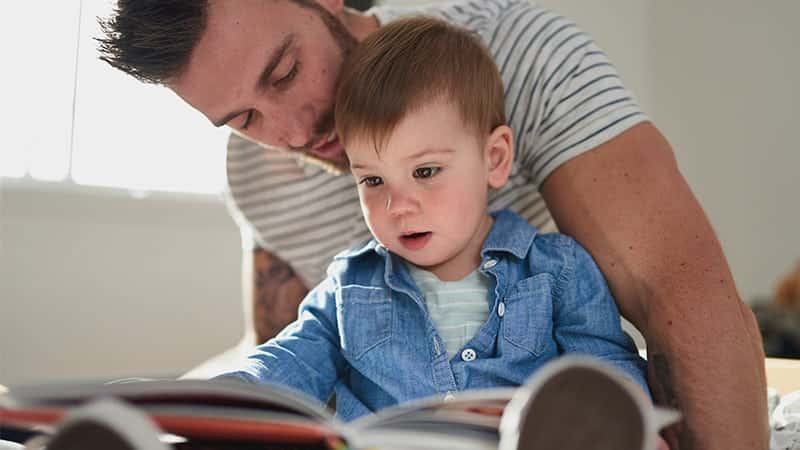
[287, 127]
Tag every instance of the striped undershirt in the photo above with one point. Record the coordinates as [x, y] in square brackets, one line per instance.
[458, 309]
[563, 97]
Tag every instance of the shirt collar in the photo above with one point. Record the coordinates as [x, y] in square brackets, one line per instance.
[361, 249]
[510, 233]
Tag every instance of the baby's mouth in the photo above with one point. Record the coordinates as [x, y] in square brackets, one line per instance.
[415, 241]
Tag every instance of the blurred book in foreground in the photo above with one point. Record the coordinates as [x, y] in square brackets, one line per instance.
[571, 403]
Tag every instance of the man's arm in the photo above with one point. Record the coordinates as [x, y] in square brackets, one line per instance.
[628, 204]
[272, 294]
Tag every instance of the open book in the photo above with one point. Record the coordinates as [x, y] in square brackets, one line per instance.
[573, 402]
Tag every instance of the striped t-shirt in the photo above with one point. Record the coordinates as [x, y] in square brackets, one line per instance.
[458, 309]
[563, 97]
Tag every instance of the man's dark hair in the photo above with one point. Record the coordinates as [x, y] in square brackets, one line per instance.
[152, 40]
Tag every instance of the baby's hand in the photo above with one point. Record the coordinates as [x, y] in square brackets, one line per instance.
[661, 444]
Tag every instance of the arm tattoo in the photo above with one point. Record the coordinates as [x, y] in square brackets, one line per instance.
[277, 291]
[661, 385]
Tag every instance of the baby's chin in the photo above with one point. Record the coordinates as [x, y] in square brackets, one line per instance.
[417, 262]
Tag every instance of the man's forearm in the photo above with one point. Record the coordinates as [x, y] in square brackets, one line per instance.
[704, 347]
[277, 292]
[715, 378]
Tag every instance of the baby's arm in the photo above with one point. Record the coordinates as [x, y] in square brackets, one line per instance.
[586, 319]
[305, 356]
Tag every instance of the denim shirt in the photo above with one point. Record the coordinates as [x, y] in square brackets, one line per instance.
[365, 332]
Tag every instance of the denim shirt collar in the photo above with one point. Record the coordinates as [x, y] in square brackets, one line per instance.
[509, 234]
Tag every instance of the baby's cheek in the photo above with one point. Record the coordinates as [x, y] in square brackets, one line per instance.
[370, 209]
[376, 221]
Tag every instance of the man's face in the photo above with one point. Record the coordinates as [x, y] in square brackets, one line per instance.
[424, 195]
[267, 69]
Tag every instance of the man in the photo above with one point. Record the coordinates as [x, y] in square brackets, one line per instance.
[267, 69]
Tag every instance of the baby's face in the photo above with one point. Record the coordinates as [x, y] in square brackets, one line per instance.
[424, 194]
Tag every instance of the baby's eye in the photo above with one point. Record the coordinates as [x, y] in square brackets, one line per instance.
[371, 181]
[426, 172]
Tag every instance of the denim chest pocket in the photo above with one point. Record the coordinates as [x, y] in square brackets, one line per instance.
[365, 318]
[528, 318]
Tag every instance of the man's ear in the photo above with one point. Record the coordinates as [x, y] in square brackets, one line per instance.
[499, 152]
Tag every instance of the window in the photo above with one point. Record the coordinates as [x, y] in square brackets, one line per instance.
[71, 117]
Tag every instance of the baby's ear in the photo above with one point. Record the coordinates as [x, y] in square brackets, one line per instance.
[499, 155]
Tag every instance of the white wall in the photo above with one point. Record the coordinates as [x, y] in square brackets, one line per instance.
[725, 74]
[94, 285]
[98, 284]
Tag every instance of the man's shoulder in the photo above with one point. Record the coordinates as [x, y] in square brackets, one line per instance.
[470, 14]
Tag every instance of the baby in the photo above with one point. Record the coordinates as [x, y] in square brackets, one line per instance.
[447, 296]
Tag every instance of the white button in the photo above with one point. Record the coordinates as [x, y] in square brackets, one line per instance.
[468, 354]
[490, 263]
[501, 309]
[448, 396]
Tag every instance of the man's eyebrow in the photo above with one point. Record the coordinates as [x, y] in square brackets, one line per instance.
[263, 79]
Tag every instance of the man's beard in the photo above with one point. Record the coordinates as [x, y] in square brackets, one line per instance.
[325, 123]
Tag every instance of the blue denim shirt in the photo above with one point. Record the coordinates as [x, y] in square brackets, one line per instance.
[365, 332]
